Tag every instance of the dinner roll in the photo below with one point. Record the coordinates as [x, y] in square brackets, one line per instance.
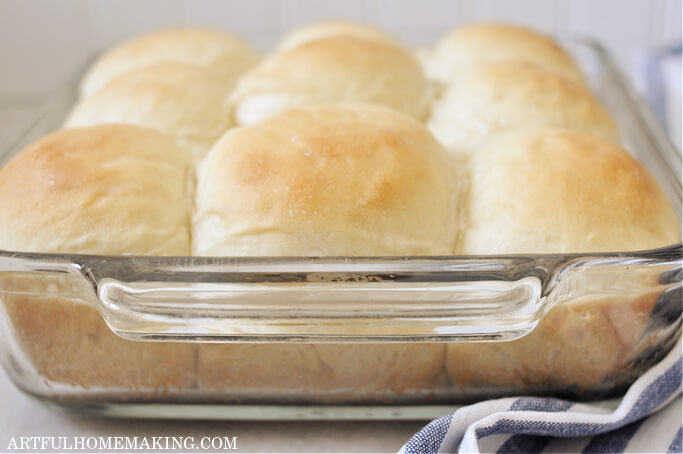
[495, 98]
[325, 29]
[554, 190]
[115, 189]
[187, 103]
[479, 43]
[560, 191]
[327, 180]
[225, 55]
[329, 70]
[112, 189]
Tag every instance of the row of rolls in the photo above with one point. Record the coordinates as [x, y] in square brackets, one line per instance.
[477, 81]
[340, 142]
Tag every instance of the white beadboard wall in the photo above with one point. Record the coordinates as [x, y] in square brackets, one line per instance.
[43, 41]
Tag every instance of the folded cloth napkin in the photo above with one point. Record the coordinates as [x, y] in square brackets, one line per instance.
[648, 419]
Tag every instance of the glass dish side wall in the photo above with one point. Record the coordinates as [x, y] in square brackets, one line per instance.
[600, 322]
[603, 320]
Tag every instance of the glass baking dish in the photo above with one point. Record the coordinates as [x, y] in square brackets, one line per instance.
[342, 337]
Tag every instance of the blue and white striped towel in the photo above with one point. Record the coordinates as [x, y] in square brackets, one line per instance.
[648, 419]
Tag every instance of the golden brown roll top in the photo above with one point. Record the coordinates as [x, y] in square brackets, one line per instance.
[187, 103]
[330, 70]
[494, 98]
[327, 180]
[483, 43]
[555, 190]
[227, 56]
[326, 29]
[113, 189]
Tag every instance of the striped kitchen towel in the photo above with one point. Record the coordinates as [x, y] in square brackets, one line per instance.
[647, 419]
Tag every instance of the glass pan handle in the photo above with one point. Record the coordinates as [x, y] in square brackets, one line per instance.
[321, 311]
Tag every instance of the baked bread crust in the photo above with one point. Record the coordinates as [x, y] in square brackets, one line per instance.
[109, 189]
[473, 44]
[563, 191]
[187, 103]
[326, 29]
[327, 180]
[333, 70]
[225, 55]
[494, 98]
